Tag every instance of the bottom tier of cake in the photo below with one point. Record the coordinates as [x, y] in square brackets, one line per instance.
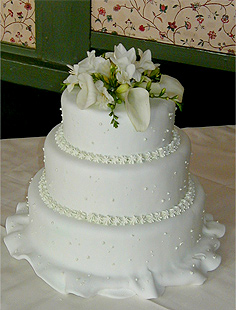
[87, 259]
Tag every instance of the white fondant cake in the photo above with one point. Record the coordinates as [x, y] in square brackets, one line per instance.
[115, 211]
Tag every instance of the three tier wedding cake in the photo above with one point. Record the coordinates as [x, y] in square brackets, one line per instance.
[115, 211]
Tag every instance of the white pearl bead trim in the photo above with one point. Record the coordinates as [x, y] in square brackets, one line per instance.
[108, 220]
[65, 146]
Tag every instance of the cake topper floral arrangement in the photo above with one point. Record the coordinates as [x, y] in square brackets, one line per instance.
[120, 77]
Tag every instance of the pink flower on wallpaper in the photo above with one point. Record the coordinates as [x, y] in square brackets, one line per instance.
[10, 12]
[20, 15]
[172, 26]
[187, 25]
[117, 8]
[200, 19]
[141, 28]
[28, 6]
[212, 35]
[225, 19]
[163, 8]
[102, 11]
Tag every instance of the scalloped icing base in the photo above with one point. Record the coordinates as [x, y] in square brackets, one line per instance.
[88, 259]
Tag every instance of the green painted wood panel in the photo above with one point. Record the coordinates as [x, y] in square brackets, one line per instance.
[173, 53]
[62, 37]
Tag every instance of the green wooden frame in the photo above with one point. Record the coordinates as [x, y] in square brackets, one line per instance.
[45, 66]
[167, 52]
[61, 38]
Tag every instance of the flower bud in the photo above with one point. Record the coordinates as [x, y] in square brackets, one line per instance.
[122, 88]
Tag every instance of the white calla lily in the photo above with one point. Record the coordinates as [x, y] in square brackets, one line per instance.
[87, 96]
[172, 86]
[138, 108]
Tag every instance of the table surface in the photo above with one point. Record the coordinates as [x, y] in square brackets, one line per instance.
[212, 161]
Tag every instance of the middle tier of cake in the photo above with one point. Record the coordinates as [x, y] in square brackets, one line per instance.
[118, 185]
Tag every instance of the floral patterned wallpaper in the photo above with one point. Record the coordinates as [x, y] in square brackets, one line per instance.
[17, 22]
[203, 24]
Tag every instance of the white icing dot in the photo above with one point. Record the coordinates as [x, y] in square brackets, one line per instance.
[191, 272]
[136, 279]
[145, 139]
[165, 233]
[163, 200]
[145, 188]
[176, 248]
[89, 275]
[108, 278]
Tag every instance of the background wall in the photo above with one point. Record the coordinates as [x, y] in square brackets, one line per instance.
[203, 24]
[18, 22]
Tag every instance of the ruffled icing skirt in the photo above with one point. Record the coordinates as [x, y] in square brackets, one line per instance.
[88, 259]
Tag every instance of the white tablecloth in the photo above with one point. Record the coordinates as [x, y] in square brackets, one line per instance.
[212, 161]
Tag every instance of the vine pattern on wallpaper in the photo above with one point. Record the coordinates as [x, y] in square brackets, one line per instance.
[18, 22]
[204, 24]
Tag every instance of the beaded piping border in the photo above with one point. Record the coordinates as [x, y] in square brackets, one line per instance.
[108, 220]
[65, 146]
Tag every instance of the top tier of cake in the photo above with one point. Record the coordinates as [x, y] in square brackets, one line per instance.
[90, 130]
